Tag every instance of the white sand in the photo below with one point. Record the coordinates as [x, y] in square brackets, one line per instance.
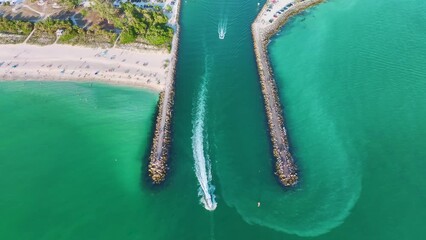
[80, 64]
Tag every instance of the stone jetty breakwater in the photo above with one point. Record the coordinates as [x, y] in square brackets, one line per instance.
[157, 167]
[269, 20]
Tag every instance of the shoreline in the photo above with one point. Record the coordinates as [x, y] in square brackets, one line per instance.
[157, 166]
[118, 65]
[57, 63]
[266, 25]
[131, 85]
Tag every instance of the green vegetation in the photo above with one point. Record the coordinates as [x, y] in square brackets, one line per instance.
[46, 34]
[45, 31]
[147, 26]
[107, 11]
[84, 12]
[168, 8]
[92, 36]
[128, 36]
[15, 27]
[150, 25]
[49, 26]
[134, 22]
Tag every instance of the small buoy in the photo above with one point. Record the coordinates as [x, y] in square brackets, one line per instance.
[258, 204]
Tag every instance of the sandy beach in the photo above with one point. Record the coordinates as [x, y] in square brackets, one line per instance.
[143, 68]
[123, 64]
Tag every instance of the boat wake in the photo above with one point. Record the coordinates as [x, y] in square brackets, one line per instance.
[202, 161]
[221, 28]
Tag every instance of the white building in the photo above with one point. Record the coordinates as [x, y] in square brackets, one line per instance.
[59, 32]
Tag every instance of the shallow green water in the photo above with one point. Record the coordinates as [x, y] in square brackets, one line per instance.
[352, 83]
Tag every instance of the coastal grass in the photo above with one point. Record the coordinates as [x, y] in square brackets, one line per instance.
[94, 36]
[15, 27]
[14, 31]
[45, 34]
[136, 24]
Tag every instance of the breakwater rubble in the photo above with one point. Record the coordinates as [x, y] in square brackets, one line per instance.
[269, 20]
[157, 167]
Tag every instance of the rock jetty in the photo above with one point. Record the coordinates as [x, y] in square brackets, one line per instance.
[157, 167]
[270, 19]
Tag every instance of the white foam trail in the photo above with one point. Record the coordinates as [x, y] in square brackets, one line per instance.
[202, 162]
[221, 28]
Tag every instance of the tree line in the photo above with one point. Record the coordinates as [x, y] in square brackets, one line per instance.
[135, 24]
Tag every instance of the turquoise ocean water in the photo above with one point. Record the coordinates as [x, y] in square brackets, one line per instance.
[351, 75]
